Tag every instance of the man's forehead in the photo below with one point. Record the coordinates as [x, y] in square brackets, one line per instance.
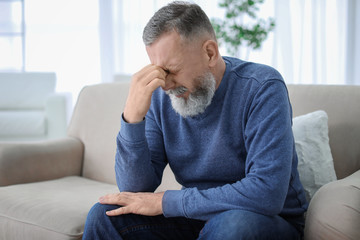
[173, 64]
[166, 52]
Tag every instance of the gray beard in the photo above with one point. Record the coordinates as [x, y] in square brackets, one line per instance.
[197, 101]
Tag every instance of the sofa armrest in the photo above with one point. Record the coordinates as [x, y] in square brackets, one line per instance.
[334, 211]
[39, 161]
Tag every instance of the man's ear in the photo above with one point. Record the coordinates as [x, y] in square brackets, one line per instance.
[211, 50]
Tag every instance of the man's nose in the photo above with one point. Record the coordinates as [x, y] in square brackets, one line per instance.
[169, 83]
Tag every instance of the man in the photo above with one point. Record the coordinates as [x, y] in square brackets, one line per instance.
[224, 127]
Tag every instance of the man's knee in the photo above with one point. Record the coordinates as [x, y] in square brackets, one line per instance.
[97, 212]
[97, 215]
[98, 224]
[231, 224]
[239, 224]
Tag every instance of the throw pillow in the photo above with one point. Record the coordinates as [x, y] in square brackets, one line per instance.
[315, 166]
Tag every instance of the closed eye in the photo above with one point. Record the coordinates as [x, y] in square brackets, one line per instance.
[172, 71]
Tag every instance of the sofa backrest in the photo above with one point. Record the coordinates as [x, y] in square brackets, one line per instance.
[97, 115]
[341, 103]
[96, 122]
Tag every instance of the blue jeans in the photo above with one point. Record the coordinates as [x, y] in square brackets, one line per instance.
[234, 224]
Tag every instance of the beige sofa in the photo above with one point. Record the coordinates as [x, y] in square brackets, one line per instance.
[48, 187]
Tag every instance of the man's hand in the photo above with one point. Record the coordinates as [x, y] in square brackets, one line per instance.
[143, 84]
[148, 204]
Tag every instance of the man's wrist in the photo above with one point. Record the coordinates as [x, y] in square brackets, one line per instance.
[172, 203]
[132, 121]
[160, 195]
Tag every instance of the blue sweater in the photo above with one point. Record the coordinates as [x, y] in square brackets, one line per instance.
[239, 154]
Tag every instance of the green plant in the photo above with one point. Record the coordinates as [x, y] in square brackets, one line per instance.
[242, 26]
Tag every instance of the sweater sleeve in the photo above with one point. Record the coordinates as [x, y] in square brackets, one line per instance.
[269, 145]
[137, 168]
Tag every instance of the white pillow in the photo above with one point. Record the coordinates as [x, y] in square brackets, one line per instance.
[316, 165]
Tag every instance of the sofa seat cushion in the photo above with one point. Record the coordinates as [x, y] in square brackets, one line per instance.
[55, 209]
[22, 123]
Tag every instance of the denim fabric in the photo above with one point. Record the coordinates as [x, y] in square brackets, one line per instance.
[243, 225]
[100, 226]
[235, 224]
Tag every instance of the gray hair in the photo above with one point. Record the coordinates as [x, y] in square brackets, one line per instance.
[187, 19]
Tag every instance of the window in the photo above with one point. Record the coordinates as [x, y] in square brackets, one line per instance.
[12, 35]
[60, 36]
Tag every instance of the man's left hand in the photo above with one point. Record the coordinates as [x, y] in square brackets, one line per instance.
[148, 204]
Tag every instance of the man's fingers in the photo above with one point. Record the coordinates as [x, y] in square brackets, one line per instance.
[117, 212]
[107, 199]
[149, 204]
[149, 73]
[154, 84]
[116, 199]
[143, 84]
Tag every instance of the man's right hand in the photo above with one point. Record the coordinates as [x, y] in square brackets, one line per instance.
[143, 84]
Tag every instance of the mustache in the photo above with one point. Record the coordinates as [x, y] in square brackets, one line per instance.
[177, 91]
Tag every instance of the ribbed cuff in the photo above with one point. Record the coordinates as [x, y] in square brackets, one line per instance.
[172, 203]
[132, 132]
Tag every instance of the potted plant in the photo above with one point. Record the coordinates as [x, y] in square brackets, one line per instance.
[242, 28]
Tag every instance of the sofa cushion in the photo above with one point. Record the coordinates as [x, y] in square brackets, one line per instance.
[54, 209]
[316, 167]
[22, 123]
[97, 132]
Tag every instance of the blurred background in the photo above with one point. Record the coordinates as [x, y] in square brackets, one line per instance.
[92, 41]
